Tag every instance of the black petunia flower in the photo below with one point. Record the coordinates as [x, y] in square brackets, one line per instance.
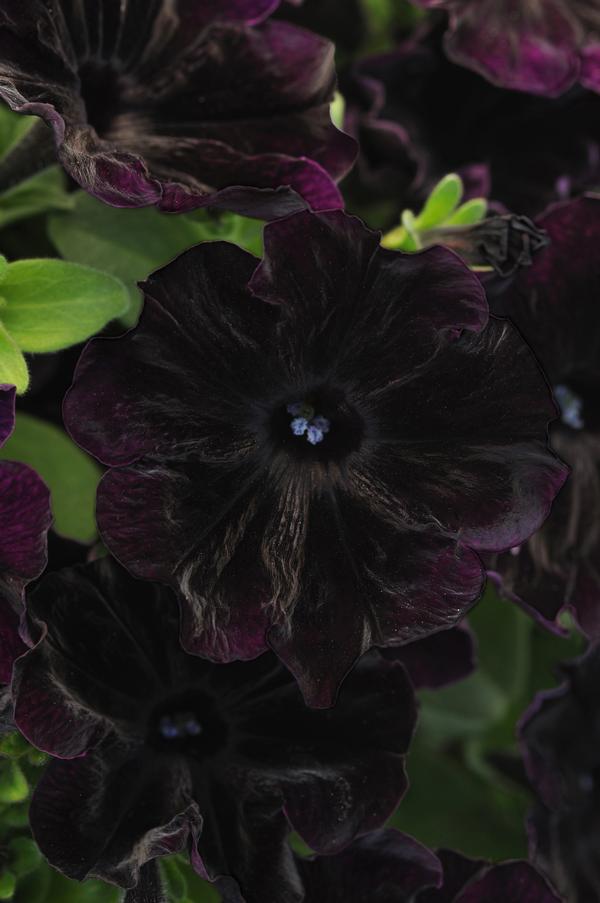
[389, 867]
[418, 116]
[24, 522]
[539, 46]
[158, 749]
[561, 736]
[555, 305]
[318, 443]
[178, 103]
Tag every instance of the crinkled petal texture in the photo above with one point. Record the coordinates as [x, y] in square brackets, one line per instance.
[526, 45]
[180, 104]
[384, 867]
[109, 692]
[554, 304]
[434, 443]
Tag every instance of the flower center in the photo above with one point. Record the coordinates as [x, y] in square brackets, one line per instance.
[313, 427]
[571, 407]
[101, 93]
[189, 725]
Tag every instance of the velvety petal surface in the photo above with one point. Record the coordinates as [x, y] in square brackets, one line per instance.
[25, 518]
[515, 881]
[524, 46]
[106, 815]
[383, 867]
[438, 660]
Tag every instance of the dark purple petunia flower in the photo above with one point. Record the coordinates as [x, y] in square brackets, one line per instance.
[555, 305]
[538, 46]
[158, 749]
[390, 867]
[178, 103]
[318, 443]
[520, 150]
[24, 522]
[561, 737]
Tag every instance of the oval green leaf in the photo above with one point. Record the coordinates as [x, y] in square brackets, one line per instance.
[71, 475]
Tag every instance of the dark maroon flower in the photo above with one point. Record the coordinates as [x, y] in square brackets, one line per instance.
[318, 443]
[539, 46]
[389, 867]
[418, 116]
[561, 736]
[158, 749]
[554, 303]
[181, 104]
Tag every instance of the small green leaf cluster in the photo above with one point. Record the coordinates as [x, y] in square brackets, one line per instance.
[442, 210]
[48, 305]
[42, 192]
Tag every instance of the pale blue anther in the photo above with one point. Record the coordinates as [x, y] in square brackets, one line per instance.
[314, 435]
[193, 728]
[299, 426]
[321, 423]
[168, 729]
[570, 406]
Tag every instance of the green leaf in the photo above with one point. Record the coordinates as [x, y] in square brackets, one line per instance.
[33, 888]
[13, 783]
[62, 890]
[175, 883]
[13, 367]
[13, 127]
[198, 890]
[8, 883]
[13, 745]
[469, 213]
[462, 710]
[447, 805]
[337, 109]
[25, 855]
[441, 203]
[43, 192]
[130, 244]
[71, 475]
[51, 304]
[411, 241]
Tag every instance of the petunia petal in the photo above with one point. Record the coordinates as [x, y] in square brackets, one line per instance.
[383, 867]
[106, 815]
[25, 518]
